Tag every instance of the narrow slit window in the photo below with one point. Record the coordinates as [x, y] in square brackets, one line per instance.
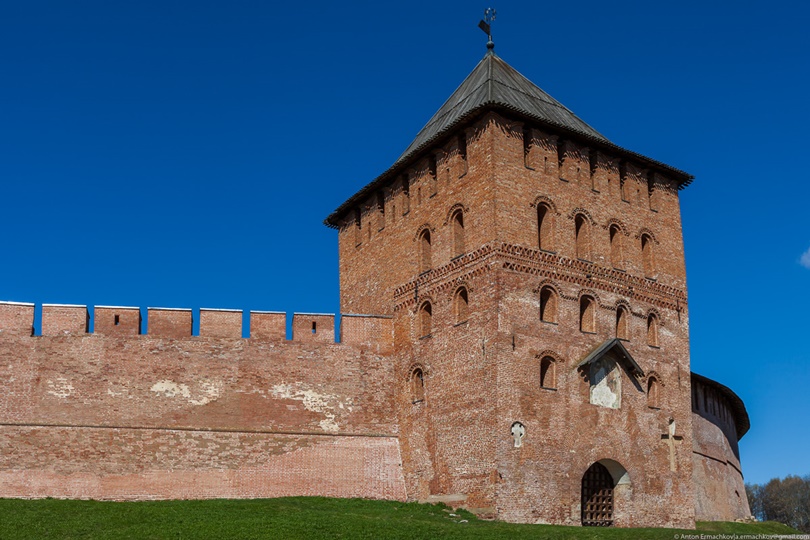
[648, 261]
[527, 147]
[560, 158]
[616, 247]
[583, 237]
[587, 314]
[461, 305]
[653, 393]
[117, 320]
[458, 233]
[652, 330]
[545, 227]
[623, 181]
[406, 195]
[434, 181]
[417, 385]
[424, 251]
[462, 151]
[358, 226]
[314, 327]
[425, 319]
[548, 305]
[381, 208]
[622, 331]
[548, 373]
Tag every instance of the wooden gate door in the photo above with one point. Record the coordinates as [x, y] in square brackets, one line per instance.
[597, 497]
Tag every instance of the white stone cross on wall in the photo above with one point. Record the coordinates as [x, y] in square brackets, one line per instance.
[672, 440]
[518, 431]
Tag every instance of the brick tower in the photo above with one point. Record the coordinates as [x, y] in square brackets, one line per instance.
[535, 274]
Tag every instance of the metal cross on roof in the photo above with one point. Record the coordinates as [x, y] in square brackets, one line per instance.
[485, 25]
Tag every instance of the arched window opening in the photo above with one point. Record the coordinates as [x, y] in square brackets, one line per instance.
[548, 372]
[458, 233]
[425, 319]
[461, 304]
[417, 385]
[647, 255]
[548, 304]
[616, 247]
[622, 322]
[424, 251]
[653, 393]
[652, 330]
[587, 314]
[545, 227]
[583, 237]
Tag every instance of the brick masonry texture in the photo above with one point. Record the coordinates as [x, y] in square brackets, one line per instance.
[447, 385]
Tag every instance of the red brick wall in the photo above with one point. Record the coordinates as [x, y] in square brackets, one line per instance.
[127, 464]
[194, 417]
[371, 268]
[221, 323]
[483, 374]
[268, 325]
[719, 484]
[117, 321]
[170, 323]
[60, 319]
[367, 331]
[313, 327]
[17, 318]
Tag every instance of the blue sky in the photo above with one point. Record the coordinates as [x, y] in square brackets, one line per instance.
[184, 154]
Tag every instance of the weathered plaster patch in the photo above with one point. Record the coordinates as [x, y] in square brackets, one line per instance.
[312, 401]
[170, 389]
[60, 388]
[605, 384]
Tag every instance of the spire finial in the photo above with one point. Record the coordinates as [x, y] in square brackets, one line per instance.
[489, 16]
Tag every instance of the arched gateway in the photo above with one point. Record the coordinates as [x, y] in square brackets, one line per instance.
[597, 497]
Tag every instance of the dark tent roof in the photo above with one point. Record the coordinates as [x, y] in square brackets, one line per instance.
[493, 81]
[619, 350]
[496, 85]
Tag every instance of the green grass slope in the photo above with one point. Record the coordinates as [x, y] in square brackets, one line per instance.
[305, 518]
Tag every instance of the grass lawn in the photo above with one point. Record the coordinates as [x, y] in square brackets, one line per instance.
[305, 518]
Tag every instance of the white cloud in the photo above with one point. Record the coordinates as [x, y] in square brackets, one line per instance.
[805, 260]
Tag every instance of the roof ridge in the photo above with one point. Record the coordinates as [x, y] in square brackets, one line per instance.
[514, 92]
[435, 119]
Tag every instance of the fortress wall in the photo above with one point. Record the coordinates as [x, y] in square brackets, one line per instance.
[126, 464]
[367, 331]
[221, 323]
[169, 322]
[364, 331]
[117, 321]
[313, 327]
[231, 384]
[16, 318]
[139, 417]
[267, 325]
[59, 319]
[719, 484]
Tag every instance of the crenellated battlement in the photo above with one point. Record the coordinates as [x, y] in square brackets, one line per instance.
[375, 331]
